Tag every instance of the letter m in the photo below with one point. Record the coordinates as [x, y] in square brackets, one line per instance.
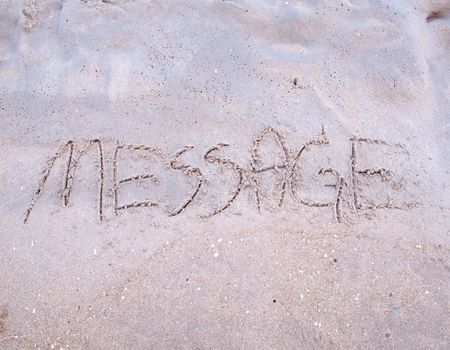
[73, 160]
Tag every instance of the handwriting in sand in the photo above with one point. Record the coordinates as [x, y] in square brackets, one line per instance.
[246, 176]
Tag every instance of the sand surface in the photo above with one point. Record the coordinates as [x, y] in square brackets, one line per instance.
[224, 174]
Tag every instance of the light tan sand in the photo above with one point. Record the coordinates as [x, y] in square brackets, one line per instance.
[224, 174]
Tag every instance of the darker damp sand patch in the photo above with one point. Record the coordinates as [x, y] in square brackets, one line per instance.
[438, 14]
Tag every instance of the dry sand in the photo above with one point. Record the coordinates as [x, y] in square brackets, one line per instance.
[224, 174]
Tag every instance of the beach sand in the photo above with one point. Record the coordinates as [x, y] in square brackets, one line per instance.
[224, 174]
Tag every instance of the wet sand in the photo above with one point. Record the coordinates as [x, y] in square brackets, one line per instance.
[224, 175]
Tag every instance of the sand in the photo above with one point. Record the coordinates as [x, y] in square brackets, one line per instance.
[224, 174]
